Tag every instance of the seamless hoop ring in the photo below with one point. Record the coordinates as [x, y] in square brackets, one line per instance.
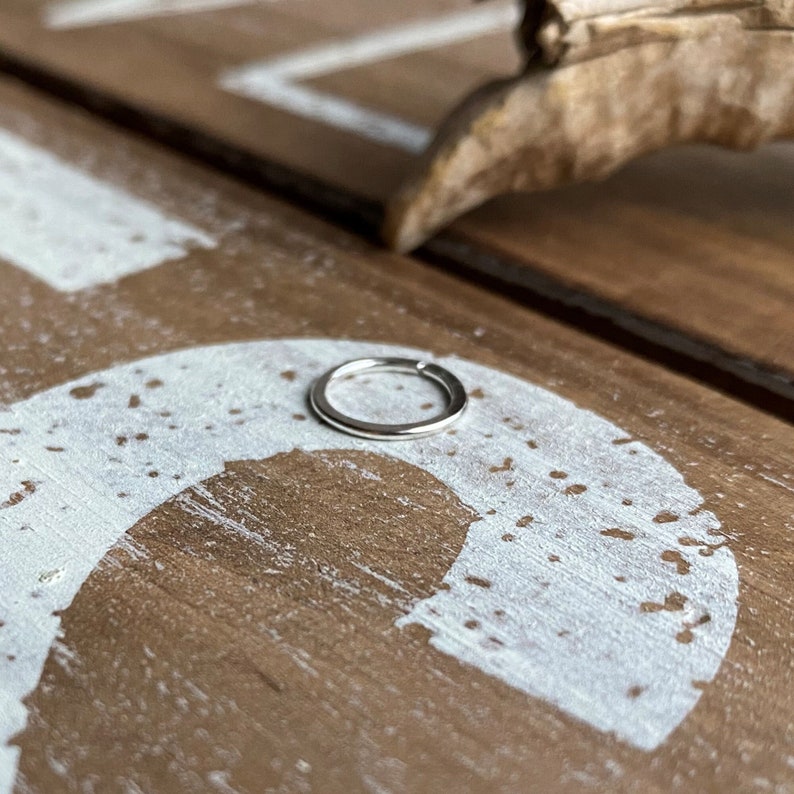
[456, 399]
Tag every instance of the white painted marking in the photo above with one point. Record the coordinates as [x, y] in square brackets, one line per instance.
[423, 34]
[74, 231]
[275, 80]
[570, 633]
[85, 13]
[775, 482]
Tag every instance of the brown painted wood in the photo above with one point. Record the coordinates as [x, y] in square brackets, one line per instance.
[176, 669]
[690, 249]
[698, 241]
[171, 65]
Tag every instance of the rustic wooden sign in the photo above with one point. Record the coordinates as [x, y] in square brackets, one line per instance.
[584, 583]
[690, 249]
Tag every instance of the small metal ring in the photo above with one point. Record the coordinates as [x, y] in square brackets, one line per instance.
[384, 432]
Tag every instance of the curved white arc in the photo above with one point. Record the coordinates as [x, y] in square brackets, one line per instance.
[555, 622]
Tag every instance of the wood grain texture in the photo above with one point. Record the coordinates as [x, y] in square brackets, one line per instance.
[693, 244]
[173, 66]
[696, 240]
[176, 667]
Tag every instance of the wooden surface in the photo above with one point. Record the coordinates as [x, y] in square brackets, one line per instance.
[241, 634]
[690, 250]
[174, 64]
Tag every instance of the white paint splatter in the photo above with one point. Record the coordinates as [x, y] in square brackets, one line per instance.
[86, 13]
[535, 602]
[275, 81]
[74, 231]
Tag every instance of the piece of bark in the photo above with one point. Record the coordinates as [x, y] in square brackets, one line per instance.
[600, 89]
[567, 31]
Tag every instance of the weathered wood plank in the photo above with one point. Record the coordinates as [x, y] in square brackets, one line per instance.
[243, 598]
[695, 241]
[165, 64]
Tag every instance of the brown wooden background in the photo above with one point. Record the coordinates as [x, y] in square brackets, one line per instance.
[660, 299]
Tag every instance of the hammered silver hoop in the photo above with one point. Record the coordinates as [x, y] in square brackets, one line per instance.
[456, 399]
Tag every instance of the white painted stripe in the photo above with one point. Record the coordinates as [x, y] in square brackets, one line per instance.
[336, 112]
[381, 45]
[568, 631]
[274, 81]
[85, 13]
[74, 231]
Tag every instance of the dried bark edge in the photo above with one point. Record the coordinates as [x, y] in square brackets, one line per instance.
[551, 126]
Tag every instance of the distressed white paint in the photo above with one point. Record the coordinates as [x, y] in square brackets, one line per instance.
[571, 634]
[86, 13]
[276, 81]
[75, 231]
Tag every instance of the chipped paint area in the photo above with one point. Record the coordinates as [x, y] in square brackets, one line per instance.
[594, 580]
[74, 231]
